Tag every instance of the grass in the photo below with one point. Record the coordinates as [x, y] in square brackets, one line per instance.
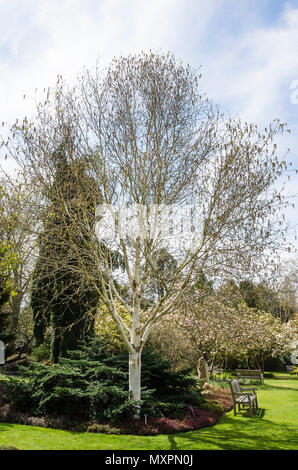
[275, 427]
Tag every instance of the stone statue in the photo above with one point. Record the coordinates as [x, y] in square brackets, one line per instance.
[2, 353]
[203, 372]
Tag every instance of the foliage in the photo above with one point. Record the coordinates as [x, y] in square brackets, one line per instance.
[188, 420]
[20, 223]
[92, 384]
[222, 376]
[225, 326]
[86, 389]
[146, 131]
[24, 338]
[8, 260]
[279, 301]
[200, 419]
[275, 364]
[60, 297]
[221, 395]
[214, 406]
[105, 326]
[171, 342]
[168, 339]
[170, 390]
[42, 352]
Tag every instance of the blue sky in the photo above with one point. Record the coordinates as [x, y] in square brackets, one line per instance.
[247, 50]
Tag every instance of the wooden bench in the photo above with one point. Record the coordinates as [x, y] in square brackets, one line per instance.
[243, 398]
[250, 374]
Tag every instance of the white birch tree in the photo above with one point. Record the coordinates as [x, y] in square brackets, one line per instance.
[157, 146]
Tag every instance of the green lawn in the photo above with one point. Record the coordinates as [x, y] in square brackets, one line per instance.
[275, 427]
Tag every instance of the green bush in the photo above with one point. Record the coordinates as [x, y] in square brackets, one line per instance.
[102, 428]
[165, 392]
[275, 364]
[86, 389]
[42, 352]
[268, 375]
[91, 384]
[213, 406]
[222, 376]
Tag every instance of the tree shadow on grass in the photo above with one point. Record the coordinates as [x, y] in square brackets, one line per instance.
[282, 377]
[259, 413]
[235, 434]
[173, 444]
[4, 426]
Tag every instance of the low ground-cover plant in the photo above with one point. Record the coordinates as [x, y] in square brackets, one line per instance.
[216, 402]
[192, 419]
[189, 420]
[222, 396]
[213, 405]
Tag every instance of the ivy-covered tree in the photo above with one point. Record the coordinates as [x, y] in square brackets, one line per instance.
[61, 298]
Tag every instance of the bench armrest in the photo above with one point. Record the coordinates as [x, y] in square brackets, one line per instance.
[243, 394]
[249, 388]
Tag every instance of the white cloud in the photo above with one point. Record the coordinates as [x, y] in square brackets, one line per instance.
[253, 74]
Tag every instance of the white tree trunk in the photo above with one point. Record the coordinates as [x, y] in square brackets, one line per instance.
[135, 375]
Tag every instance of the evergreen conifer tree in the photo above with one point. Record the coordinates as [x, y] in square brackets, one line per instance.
[60, 298]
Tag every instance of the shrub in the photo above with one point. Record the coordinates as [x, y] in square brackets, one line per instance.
[42, 352]
[223, 396]
[190, 421]
[19, 393]
[275, 364]
[91, 384]
[168, 391]
[102, 428]
[222, 376]
[214, 406]
[83, 389]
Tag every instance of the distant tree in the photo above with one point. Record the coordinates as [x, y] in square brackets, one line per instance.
[19, 228]
[249, 294]
[5, 293]
[287, 290]
[8, 261]
[106, 328]
[165, 268]
[214, 324]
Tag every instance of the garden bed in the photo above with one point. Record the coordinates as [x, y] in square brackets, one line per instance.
[217, 401]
